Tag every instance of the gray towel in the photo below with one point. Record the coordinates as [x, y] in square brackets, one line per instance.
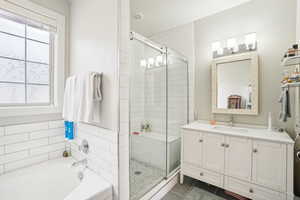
[284, 99]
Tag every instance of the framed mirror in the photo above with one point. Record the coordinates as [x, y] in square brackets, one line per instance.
[235, 84]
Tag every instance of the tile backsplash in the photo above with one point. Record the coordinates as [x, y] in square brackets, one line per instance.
[27, 144]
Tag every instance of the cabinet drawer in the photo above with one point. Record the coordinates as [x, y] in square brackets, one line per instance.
[252, 191]
[204, 175]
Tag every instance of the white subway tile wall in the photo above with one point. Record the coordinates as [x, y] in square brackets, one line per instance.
[28, 144]
[102, 157]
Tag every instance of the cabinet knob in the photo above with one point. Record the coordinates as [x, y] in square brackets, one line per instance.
[223, 145]
[251, 191]
[227, 145]
[255, 151]
[200, 140]
[201, 174]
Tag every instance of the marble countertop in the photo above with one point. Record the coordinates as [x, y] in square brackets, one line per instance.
[240, 131]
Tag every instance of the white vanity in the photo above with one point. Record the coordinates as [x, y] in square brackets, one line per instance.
[251, 162]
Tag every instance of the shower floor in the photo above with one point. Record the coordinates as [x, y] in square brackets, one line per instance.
[142, 178]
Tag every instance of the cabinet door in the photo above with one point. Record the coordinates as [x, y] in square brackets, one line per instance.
[213, 152]
[269, 165]
[238, 157]
[192, 148]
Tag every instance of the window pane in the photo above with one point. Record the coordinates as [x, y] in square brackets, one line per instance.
[37, 73]
[37, 52]
[12, 70]
[12, 93]
[12, 47]
[38, 34]
[37, 94]
[12, 27]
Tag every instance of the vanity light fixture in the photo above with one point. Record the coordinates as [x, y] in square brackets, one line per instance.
[150, 62]
[158, 61]
[250, 41]
[232, 45]
[143, 63]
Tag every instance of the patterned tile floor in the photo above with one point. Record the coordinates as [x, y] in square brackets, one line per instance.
[196, 190]
[142, 178]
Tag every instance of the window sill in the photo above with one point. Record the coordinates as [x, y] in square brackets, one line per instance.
[29, 110]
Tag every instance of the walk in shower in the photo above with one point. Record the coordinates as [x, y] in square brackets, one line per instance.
[158, 108]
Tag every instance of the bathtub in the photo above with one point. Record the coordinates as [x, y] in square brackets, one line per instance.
[150, 148]
[53, 180]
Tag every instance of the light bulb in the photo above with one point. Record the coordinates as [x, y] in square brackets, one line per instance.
[158, 61]
[216, 46]
[143, 63]
[232, 44]
[150, 62]
[250, 41]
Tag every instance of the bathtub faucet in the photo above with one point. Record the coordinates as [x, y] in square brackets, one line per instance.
[80, 162]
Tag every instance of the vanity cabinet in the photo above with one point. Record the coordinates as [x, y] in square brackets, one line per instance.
[243, 163]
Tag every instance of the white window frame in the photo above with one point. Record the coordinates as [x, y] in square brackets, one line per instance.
[43, 15]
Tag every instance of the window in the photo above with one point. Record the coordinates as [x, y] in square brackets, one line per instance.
[32, 59]
[25, 62]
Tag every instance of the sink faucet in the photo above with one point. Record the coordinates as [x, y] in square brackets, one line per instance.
[80, 162]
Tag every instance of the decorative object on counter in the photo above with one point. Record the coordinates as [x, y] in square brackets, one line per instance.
[213, 122]
[270, 121]
[292, 56]
[146, 127]
[65, 154]
[69, 130]
[234, 102]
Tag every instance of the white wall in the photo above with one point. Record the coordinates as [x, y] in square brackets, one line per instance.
[94, 47]
[275, 30]
[182, 40]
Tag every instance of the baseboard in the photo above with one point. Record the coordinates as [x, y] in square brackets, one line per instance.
[159, 191]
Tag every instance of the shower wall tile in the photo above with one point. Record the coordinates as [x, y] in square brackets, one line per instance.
[2, 131]
[6, 158]
[56, 124]
[27, 144]
[5, 140]
[9, 130]
[47, 149]
[25, 163]
[1, 150]
[1, 169]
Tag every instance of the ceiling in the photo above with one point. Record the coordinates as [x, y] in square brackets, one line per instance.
[161, 15]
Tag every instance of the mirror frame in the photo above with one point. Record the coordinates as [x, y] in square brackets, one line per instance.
[253, 57]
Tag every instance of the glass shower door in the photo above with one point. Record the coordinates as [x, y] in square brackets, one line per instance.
[177, 109]
[148, 97]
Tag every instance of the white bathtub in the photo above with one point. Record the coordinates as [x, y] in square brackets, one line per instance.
[53, 180]
[150, 148]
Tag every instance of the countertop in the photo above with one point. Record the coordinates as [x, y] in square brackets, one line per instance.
[240, 131]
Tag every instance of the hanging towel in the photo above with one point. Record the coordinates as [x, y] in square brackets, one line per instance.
[284, 99]
[90, 97]
[69, 112]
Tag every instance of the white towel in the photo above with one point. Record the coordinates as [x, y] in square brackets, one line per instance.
[82, 98]
[69, 99]
[90, 97]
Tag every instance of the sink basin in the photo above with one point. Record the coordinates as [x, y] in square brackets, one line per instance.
[230, 129]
